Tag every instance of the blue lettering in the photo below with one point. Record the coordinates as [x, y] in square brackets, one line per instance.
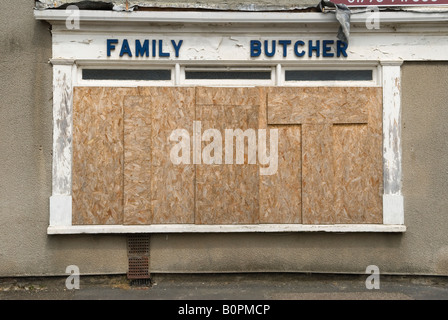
[326, 48]
[110, 45]
[285, 44]
[140, 50]
[177, 46]
[255, 48]
[341, 48]
[154, 47]
[296, 48]
[161, 53]
[312, 48]
[125, 49]
[266, 51]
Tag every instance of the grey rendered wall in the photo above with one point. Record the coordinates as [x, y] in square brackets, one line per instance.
[25, 159]
[25, 187]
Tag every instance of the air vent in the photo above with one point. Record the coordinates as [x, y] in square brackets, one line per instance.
[138, 257]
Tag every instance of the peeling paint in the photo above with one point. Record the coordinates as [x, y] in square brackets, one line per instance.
[392, 130]
[240, 5]
[62, 129]
[87, 41]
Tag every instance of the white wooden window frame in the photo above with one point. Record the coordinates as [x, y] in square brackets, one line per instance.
[385, 58]
[80, 82]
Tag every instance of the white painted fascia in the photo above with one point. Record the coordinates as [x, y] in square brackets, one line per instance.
[234, 17]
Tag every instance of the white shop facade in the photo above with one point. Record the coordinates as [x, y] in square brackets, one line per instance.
[336, 106]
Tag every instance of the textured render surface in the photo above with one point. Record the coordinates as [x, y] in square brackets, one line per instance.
[25, 160]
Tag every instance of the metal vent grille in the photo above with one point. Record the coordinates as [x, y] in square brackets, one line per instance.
[138, 257]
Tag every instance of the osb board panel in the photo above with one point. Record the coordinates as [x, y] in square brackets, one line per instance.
[227, 193]
[281, 193]
[98, 155]
[227, 96]
[137, 161]
[317, 174]
[172, 186]
[359, 168]
[342, 166]
[318, 105]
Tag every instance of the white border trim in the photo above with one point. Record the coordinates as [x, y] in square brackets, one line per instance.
[60, 210]
[182, 228]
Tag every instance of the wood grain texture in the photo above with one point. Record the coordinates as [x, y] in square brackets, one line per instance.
[281, 193]
[137, 161]
[341, 150]
[225, 193]
[98, 155]
[315, 105]
[227, 96]
[172, 186]
[350, 159]
[358, 166]
[374, 151]
[330, 159]
[318, 174]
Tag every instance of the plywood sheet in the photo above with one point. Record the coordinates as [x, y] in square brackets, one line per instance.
[374, 151]
[172, 186]
[341, 150]
[281, 193]
[225, 193]
[314, 105]
[317, 174]
[137, 161]
[227, 96]
[358, 167]
[98, 155]
[329, 170]
[350, 159]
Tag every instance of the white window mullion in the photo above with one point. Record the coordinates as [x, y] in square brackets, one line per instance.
[61, 199]
[393, 202]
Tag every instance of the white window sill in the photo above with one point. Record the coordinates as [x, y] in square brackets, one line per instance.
[189, 228]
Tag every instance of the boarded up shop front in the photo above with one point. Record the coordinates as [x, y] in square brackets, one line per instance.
[162, 125]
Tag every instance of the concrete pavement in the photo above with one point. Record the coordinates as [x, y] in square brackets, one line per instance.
[228, 287]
